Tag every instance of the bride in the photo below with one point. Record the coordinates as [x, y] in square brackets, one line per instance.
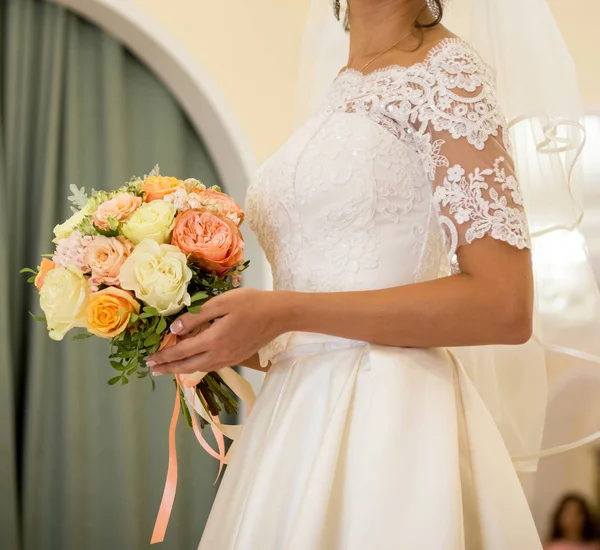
[395, 228]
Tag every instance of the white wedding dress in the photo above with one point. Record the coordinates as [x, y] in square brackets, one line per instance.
[353, 446]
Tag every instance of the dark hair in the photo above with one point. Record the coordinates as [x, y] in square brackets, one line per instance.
[589, 528]
[418, 24]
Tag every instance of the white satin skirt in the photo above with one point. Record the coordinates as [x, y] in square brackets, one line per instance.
[352, 446]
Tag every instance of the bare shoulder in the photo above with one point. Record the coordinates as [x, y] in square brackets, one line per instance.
[416, 49]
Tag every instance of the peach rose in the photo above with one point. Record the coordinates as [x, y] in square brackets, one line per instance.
[120, 207]
[158, 187]
[168, 340]
[224, 202]
[45, 267]
[105, 256]
[213, 242]
[109, 311]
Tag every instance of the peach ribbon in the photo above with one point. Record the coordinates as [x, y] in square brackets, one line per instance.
[166, 504]
[187, 384]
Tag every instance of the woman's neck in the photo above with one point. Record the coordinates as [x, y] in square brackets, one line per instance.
[376, 24]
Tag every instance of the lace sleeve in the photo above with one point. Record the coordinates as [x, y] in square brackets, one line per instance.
[478, 195]
[475, 192]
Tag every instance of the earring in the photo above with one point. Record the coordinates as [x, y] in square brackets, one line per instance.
[433, 8]
[337, 9]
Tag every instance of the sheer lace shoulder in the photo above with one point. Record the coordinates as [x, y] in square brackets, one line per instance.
[460, 132]
[476, 193]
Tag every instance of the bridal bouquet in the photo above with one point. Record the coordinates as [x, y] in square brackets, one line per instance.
[129, 262]
[126, 264]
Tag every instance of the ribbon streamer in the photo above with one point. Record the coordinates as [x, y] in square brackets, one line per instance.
[187, 384]
[166, 504]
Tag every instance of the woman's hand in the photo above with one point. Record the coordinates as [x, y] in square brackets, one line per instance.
[243, 321]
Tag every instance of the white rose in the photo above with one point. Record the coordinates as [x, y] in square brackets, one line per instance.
[64, 230]
[159, 276]
[153, 220]
[64, 299]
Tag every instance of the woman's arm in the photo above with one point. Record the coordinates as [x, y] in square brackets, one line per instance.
[490, 302]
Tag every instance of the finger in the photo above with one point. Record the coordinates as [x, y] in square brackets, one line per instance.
[203, 362]
[190, 322]
[183, 349]
[195, 332]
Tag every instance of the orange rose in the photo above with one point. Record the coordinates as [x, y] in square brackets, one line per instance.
[109, 312]
[156, 188]
[120, 207]
[45, 267]
[105, 256]
[213, 242]
[229, 207]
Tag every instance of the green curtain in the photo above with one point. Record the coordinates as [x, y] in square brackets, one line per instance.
[83, 464]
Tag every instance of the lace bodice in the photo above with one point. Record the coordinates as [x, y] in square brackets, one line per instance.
[398, 169]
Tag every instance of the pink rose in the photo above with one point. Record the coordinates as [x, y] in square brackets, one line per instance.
[213, 242]
[120, 207]
[229, 207]
[105, 256]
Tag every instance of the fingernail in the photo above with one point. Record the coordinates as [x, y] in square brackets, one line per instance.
[176, 327]
[157, 373]
[150, 363]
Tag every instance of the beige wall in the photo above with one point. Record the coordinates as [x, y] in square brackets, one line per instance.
[250, 49]
[579, 21]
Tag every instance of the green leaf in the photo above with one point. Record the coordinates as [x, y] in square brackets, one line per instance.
[152, 340]
[106, 233]
[199, 296]
[113, 223]
[153, 325]
[32, 279]
[152, 310]
[154, 348]
[124, 380]
[146, 315]
[38, 318]
[118, 366]
[28, 270]
[194, 309]
[114, 380]
[82, 336]
[162, 326]
[132, 370]
[184, 410]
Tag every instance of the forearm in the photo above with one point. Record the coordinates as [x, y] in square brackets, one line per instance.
[453, 311]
